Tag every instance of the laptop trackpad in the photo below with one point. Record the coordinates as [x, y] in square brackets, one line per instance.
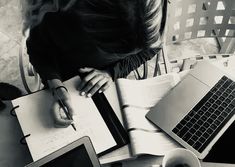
[223, 150]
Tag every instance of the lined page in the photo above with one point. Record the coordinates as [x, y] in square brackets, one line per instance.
[137, 97]
[145, 137]
[145, 93]
[156, 143]
[35, 119]
[135, 119]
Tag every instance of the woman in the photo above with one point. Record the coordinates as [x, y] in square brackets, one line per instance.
[101, 39]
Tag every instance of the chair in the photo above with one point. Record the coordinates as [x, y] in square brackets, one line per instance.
[30, 78]
[191, 19]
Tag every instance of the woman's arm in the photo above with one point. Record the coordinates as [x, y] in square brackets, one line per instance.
[42, 53]
[43, 56]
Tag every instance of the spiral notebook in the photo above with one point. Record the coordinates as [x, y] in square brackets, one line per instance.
[95, 118]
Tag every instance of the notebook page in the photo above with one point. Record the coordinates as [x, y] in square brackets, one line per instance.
[145, 137]
[138, 96]
[135, 118]
[35, 119]
[145, 93]
[157, 143]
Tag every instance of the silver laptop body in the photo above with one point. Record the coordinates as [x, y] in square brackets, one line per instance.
[182, 99]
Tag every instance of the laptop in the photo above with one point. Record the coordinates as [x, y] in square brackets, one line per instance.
[198, 110]
[78, 153]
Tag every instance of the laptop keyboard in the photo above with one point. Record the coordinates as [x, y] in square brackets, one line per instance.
[208, 117]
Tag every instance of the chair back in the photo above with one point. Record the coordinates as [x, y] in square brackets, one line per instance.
[190, 19]
[30, 78]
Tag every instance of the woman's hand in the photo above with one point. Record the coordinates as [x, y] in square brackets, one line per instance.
[58, 114]
[95, 80]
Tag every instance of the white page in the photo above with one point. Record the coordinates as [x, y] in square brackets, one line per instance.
[35, 119]
[135, 118]
[137, 98]
[144, 93]
[157, 143]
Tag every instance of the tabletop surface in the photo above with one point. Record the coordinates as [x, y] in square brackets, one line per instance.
[12, 152]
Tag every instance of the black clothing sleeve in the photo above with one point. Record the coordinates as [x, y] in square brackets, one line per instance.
[123, 67]
[42, 53]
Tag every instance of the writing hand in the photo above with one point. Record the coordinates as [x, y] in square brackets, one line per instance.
[95, 80]
[59, 116]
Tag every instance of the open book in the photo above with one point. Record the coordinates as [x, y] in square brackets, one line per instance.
[35, 120]
[137, 97]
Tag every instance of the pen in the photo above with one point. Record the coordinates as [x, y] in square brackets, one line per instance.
[65, 111]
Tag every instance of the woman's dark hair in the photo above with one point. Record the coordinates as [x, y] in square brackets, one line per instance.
[118, 26]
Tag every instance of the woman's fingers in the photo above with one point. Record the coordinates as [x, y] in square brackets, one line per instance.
[105, 86]
[86, 79]
[97, 86]
[95, 80]
[95, 83]
[59, 116]
[69, 106]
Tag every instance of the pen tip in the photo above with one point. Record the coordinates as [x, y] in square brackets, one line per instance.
[74, 127]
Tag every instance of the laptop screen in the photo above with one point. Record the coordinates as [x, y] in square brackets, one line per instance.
[74, 158]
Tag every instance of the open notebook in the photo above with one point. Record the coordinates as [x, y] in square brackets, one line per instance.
[137, 97]
[34, 117]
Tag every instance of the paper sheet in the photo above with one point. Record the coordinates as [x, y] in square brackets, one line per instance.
[135, 118]
[35, 119]
[156, 143]
[137, 98]
[145, 93]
